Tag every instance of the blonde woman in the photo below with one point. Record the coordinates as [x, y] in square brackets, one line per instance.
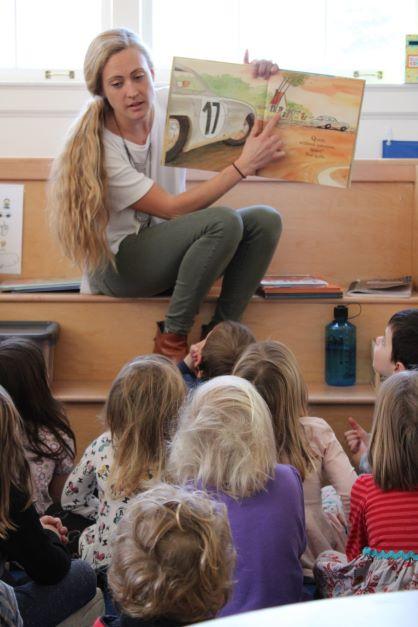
[57, 587]
[141, 413]
[306, 442]
[382, 548]
[173, 559]
[225, 445]
[129, 222]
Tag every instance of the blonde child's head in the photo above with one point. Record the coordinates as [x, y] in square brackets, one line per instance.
[141, 413]
[272, 368]
[14, 469]
[222, 347]
[172, 556]
[225, 438]
[393, 451]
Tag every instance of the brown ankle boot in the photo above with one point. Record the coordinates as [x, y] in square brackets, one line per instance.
[172, 345]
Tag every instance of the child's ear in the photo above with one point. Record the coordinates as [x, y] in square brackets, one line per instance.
[399, 367]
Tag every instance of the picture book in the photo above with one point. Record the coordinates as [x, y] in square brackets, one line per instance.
[212, 107]
[298, 286]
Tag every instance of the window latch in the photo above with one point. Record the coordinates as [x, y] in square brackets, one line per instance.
[67, 73]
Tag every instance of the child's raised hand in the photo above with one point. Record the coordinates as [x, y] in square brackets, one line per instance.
[356, 436]
[357, 440]
[194, 357]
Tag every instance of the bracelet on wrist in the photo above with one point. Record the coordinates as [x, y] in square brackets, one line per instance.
[239, 171]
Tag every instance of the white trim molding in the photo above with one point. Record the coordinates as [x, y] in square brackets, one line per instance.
[35, 118]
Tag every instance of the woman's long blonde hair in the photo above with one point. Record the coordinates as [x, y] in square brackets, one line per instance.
[141, 413]
[393, 451]
[224, 439]
[273, 369]
[77, 191]
[14, 469]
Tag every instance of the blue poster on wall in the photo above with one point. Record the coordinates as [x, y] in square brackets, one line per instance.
[392, 149]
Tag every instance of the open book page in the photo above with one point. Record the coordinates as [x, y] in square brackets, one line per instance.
[211, 110]
[318, 126]
[212, 107]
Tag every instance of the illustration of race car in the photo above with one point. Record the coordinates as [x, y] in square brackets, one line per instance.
[197, 116]
[329, 122]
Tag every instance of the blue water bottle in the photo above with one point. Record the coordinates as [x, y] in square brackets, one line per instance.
[340, 349]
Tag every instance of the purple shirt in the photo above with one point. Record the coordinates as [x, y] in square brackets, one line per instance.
[268, 530]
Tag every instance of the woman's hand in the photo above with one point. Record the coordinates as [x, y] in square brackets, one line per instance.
[261, 68]
[263, 145]
[55, 525]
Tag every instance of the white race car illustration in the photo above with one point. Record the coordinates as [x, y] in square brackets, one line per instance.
[328, 121]
[198, 117]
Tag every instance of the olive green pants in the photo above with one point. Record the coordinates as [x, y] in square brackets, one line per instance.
[187, 254]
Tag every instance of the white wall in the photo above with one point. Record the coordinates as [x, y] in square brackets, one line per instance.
[35, 118]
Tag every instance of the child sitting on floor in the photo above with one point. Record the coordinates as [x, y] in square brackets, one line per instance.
[225, 444]
[172, 559]
[55, 587]
[49, 441]
[395, 351]
[141, 414]
[306, 442]
[382, 549]
[217, 354]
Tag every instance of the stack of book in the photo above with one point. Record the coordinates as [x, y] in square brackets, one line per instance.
[298, 286]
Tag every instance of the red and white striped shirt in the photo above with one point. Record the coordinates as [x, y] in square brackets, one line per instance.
[385, 521]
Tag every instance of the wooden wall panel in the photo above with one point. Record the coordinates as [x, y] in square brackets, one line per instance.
[340, 234]
[86, 422]
[367, 230]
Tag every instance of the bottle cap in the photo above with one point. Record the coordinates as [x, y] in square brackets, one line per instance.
[341, 312]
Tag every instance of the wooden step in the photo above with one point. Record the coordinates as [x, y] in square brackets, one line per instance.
[84, 402]
[95, 392]
[98, 334]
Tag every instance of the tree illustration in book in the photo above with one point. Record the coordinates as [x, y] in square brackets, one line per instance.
[212, 107]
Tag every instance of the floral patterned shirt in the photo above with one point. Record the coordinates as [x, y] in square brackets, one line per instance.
[44, 469]
[91, 477]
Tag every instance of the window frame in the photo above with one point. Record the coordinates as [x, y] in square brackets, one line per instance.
[133, 14]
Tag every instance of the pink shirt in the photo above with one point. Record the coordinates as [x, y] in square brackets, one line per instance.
[333, 467]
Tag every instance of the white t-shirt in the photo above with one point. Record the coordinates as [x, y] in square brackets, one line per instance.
[126, 184]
